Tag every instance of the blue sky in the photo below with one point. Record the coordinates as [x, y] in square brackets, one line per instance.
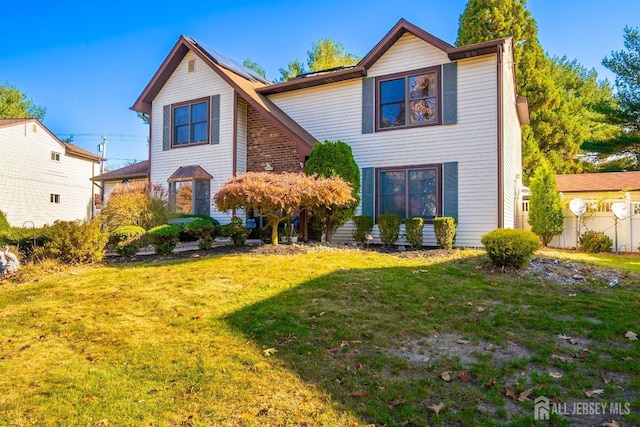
[88, 61]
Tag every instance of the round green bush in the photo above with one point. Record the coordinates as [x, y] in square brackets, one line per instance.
[164, 238]
[127, 239]
[510, 248]
[595, 241]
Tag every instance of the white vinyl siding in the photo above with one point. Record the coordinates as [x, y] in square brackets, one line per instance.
[512, 145]
[25, 192]
[214, 158]
[333, 112]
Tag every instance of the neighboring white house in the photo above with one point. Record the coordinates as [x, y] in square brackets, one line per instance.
[43, 179]
[434, 128]
[137, 173]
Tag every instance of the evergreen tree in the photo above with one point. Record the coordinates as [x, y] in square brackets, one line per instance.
[622, 151]
[553, 134]
[626, 66]
[545, 205]
[334, 159]
[15, 104]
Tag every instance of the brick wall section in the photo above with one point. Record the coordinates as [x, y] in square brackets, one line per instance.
[266, 143]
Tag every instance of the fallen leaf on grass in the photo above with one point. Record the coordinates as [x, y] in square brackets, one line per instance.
[490, 383]
[446, 375]
[464, 377]
[31, 409]
[102, 422]
[511, 393]
[269, 351]
[463, 342]
[583, 353]
[436, 408]
[612, 423]
[397, 401]
[426, 359]
[555, 375]
[524, 396]
[631, 336]
[606, 380]
[591, 393]
[419, 271]
[359, 393]
[89, 398]
[556, 358]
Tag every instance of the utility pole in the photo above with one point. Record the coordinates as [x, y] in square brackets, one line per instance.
[102, 149]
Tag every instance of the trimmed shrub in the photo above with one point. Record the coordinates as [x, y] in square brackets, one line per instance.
[164, 238]
[364, 225]
[183, 219]
[127, 239]
[413, 231]
[595, 241]
[236, 231]
[77, 242]
[510, 248]
[444, 228]
[26, 238]
[4, 224]
[389, 226]
[203, 230]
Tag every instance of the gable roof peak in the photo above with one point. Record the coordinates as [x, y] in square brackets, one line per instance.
[399, 29]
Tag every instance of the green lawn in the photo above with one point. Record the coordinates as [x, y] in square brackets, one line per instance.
[330, 338]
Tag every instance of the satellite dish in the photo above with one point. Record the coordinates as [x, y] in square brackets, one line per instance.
[578, 207]
[620, 210]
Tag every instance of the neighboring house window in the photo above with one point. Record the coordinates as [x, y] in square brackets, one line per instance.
[54, 198]
[190, 123]
[408, 99]
[55, 156]
[410, 191]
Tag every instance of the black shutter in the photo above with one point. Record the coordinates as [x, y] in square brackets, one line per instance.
[368, 107]
[450, 189]
[450, 93]
[166, 127]
[214, 106]
[368, 192]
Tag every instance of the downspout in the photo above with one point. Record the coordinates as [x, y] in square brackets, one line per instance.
[499, 54]
[149, 167]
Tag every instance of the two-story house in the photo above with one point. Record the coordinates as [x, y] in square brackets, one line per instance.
[435, 128]
[43, 179]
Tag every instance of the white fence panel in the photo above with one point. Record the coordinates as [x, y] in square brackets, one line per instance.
[625, 233]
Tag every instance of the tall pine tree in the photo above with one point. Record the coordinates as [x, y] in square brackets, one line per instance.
[553, 133]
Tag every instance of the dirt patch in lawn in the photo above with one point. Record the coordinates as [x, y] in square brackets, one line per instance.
[433, 348]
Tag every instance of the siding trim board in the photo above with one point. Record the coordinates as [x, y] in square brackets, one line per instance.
[500, 142]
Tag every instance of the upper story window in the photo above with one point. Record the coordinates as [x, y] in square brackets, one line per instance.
[410, 191]
[408, 99]
[191, 123]
[55, 156]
